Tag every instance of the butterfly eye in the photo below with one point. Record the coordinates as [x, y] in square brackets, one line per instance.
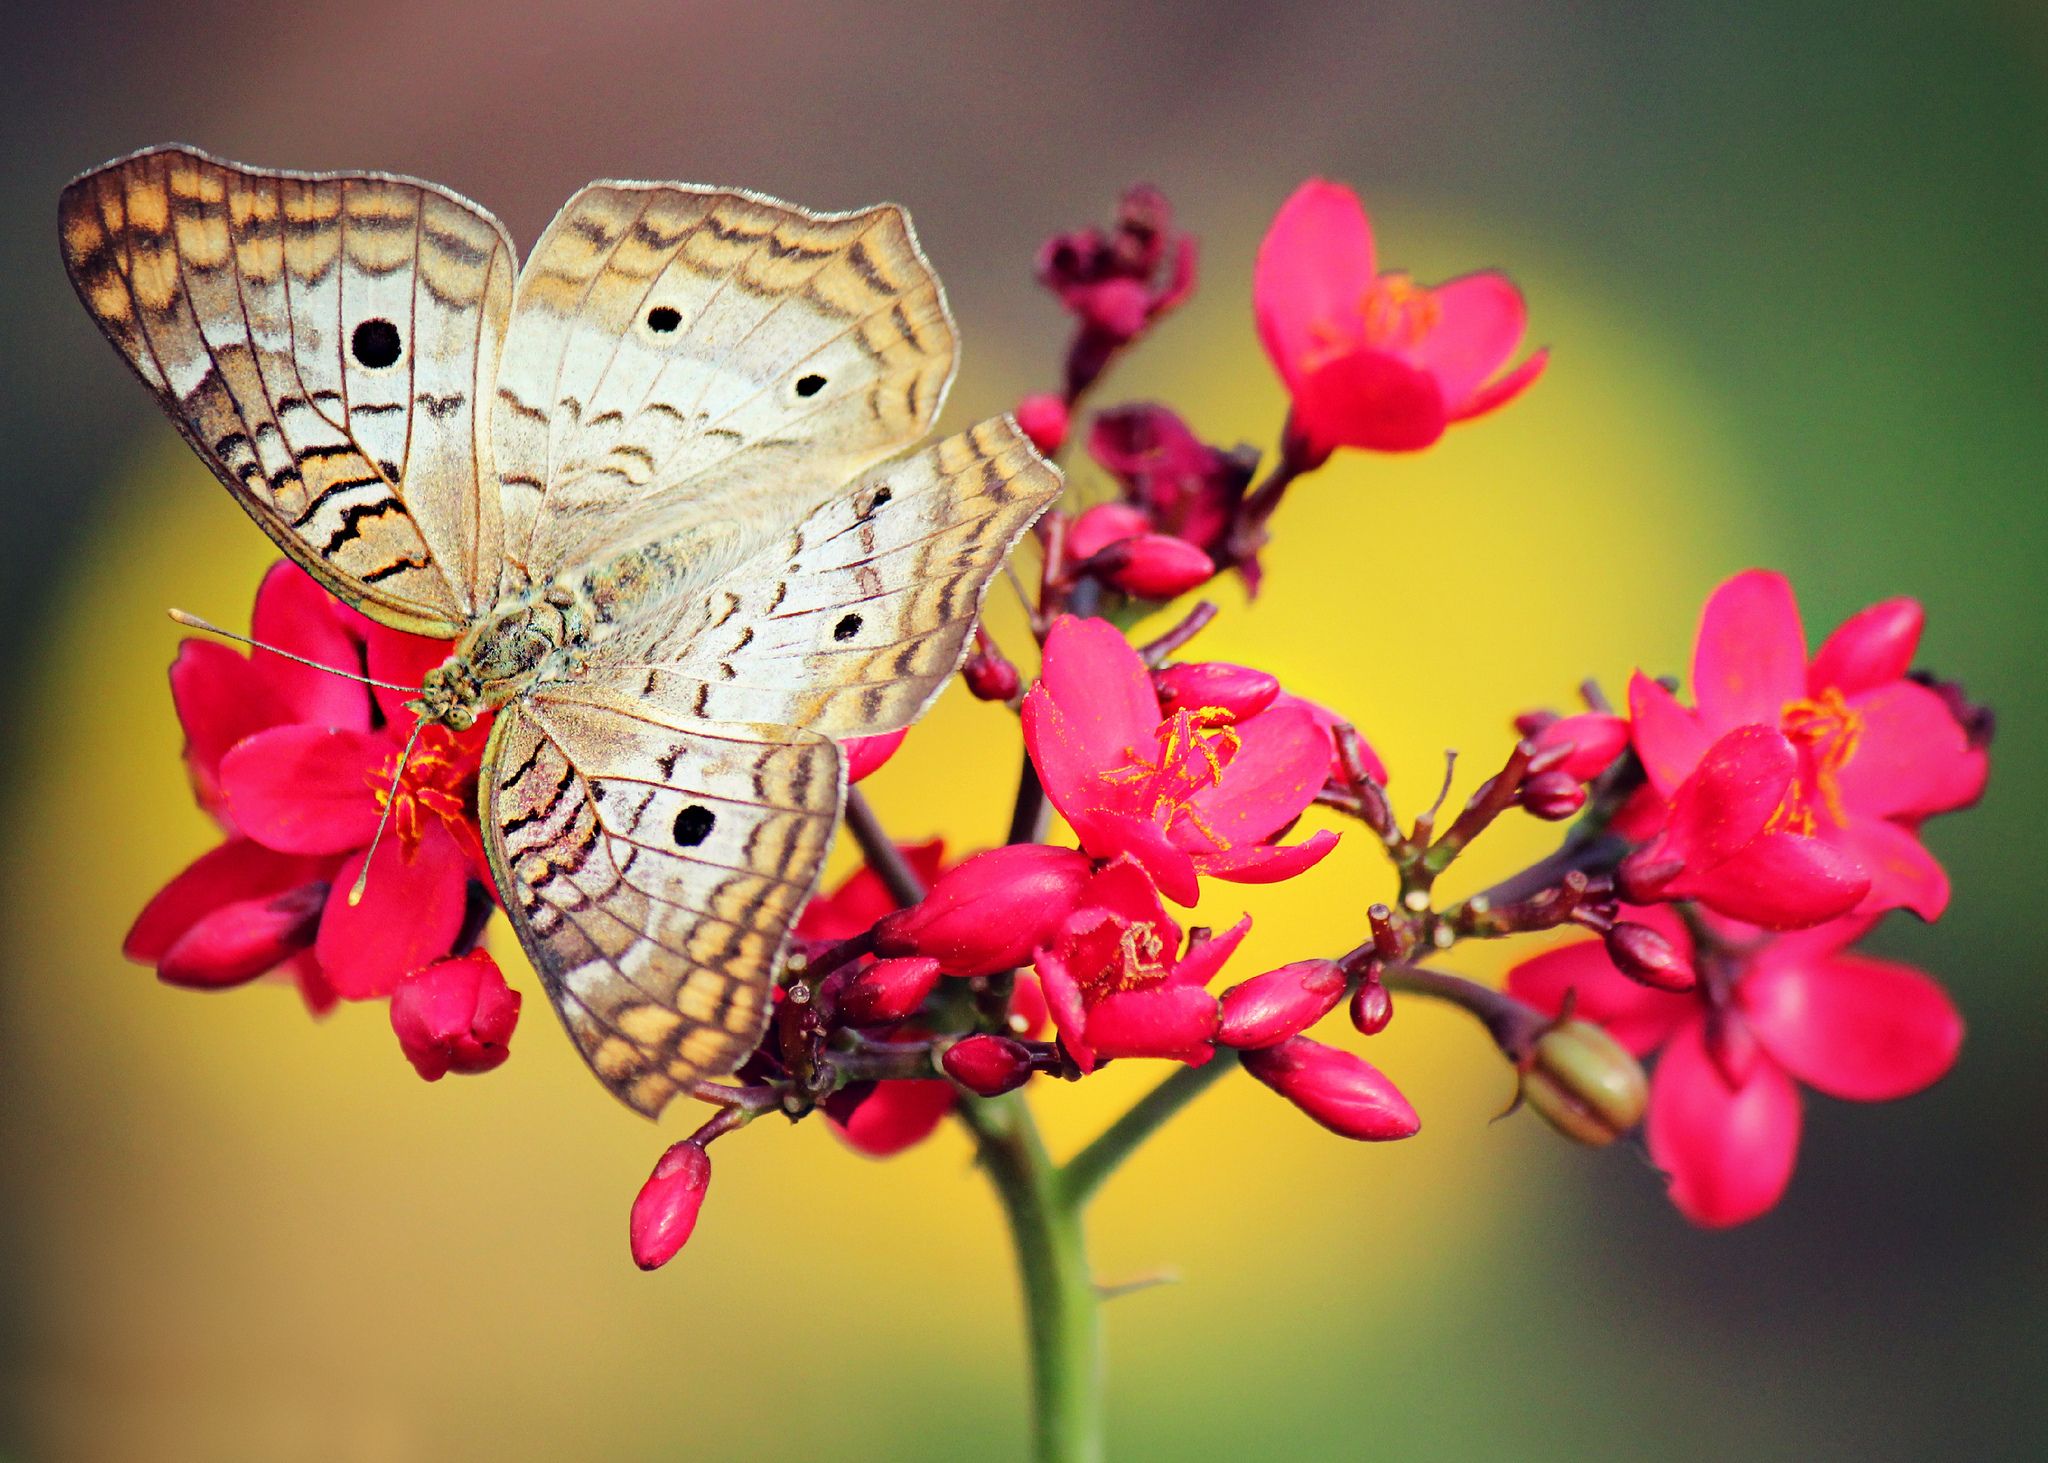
[661, 319]
[847, 628]
[375, 343]
[694, 825]
[809, 385]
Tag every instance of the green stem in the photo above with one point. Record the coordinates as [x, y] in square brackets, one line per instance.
[1086, 1170]
[1060, 1300]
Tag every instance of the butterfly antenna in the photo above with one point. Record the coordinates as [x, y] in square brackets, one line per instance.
[355, 893]
[192, 621]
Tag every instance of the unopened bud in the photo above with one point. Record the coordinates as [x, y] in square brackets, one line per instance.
[1553, 796]
[1345, 1093]
[990, 676]
[1153, 566]
[1105, 524]
[888, 990]
[987, 1064]
[1198, 685]
[666, 1210]
[989, 912]
[865, 755]
[1643, 876]
[1593, 739]
[455, 1016]
[1269, 1008]
[1044, 418]
[1372, 1007]
[1584, 1083]
[1641, 953]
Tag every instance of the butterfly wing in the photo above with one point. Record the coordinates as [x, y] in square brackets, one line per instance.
[652, 867]
[324, 341]
[684, 355]
[852, 621]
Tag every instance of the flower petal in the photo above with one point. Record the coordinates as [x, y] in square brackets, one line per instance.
[1102, 688]
[296, 615]
[220, 698]
[866, 755]
[236, 870]
[1902, 873]
[305, 789]
[1313, 268]
[1372, 400]
[1107, 835]
[1732, 795]
[1667, 736]
[1729, 1151]
[1479, 322]
[1497, 394]
[1266, 863]
[239, 941]
[883, 1119]
[1281, 763]
[1206, 957]
[409, 916]
[1856, 1028]
[1912, 757]
[1063, 1000]
[1638, 1017]
[1162, 1021]
[1871, 648]
[1780, 881]
[1750, 658]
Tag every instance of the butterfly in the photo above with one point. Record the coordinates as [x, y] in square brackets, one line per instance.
[649, 482]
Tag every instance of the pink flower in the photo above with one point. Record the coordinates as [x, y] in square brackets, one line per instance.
[1767, 1015]
[862, 898]
[665, 1210]
[1376, 360]
[455, 1016]
[865, 755]
[1269, 1008]
[1117, 980]
[1194, 793]
[882, 1119]
[1872, 751]
[1345, 1093]
[295, 764]
[1044, 419]
[1114, 542]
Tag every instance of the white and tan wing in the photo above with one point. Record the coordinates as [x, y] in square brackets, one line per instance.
[652, 867]
[851, 623]
[683, 355]
[328, 343]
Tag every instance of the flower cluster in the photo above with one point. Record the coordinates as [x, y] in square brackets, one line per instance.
[1725, 848]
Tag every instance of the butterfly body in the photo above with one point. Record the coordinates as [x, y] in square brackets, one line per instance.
[655, 485]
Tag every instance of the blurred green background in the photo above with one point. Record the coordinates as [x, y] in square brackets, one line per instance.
[1790, 259]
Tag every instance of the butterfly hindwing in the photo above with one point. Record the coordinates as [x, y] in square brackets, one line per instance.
[652, 867]
[327, 342]
[684, 355]
[851, 622]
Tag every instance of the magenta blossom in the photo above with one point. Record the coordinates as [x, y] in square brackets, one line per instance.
[1198, 792]
[1118, 982]
[1768, 1014]
[1872, 752]
[1376, 360]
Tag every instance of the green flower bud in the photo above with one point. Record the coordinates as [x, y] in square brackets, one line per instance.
[1584, 1083]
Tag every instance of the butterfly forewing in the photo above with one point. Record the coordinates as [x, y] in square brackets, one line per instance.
[327, 343]
[681, 356]
[652, 867]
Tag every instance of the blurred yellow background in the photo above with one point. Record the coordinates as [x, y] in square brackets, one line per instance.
[234, 1233]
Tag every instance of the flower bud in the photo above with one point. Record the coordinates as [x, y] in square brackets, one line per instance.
[1584, 1083]
[990, 676]
[989, 912]
[1044, 419]
[865, 755]
[1644, 875]
[1553, 796]
[455, 1016]
[1154, 566]
[1269, 1008]
[882, 1119]
[1641, 953]
[988, 1065]
[665, 1211]
[1103, 525]
[888, 990]
[1346, 1094]
[1596, 738]
[1197, 685]
[1372, 1007]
